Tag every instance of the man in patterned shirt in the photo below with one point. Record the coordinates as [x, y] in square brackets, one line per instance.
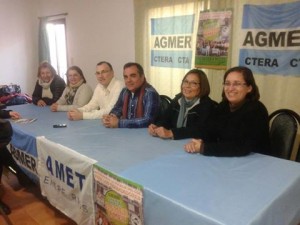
[138, 103]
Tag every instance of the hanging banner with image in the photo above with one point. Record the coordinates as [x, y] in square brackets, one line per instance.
[171, 41]
[118, 200]
[66, 179]
[270, 39]
[213, 39]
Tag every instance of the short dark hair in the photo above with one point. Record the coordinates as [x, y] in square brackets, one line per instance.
[78, 70]
[249, 80]
[138, 66]
[107, 63]
[204, 84]
[46, 65]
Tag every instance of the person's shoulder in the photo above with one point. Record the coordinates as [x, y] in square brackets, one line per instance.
[209, 101]
[256, 107]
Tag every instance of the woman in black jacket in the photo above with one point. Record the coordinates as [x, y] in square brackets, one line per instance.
[49, 86]
[240, 124]
[188, 111]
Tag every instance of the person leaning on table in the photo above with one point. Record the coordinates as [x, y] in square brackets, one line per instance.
[49, 86]
[104, 97]
[77, 92]
[138, 103]
[188, 110]
[6, 158]
[240, 124]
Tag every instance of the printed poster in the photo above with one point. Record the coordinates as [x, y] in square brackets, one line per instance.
[118, 200]
[66, 179]
[270, 38]
[213, 39]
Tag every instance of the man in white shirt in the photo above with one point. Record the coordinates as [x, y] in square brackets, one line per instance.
[104, 97]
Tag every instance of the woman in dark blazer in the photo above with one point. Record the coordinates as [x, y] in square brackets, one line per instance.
[188, 111]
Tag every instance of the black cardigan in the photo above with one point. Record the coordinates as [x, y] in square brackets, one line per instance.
[237, 133]
[196, 117]
[57, 87]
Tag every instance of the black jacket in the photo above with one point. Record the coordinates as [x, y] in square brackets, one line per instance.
[57, 87]
[196, 117]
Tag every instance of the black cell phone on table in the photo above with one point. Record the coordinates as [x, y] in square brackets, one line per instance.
[61, 125]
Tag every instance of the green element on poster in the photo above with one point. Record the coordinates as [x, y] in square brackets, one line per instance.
[116, 208]
[211, 61]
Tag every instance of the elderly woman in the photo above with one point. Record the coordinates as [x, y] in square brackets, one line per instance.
[188, 111]
[76, 94]
[49, 86]
[240, 124]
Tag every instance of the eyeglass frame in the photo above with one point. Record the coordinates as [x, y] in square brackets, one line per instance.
[102, 72]
[192, 84]
[234, 84]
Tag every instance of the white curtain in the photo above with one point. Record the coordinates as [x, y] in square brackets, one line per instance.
[276, 91]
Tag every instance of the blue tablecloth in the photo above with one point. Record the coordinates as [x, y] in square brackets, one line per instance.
[180, 188]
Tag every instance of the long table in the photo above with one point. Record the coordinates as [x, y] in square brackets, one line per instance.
[179, 188]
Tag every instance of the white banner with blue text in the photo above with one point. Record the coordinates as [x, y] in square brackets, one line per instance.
[66, 179]
[171, 41]
[270, 42]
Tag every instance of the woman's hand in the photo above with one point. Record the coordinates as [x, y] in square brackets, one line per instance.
[151, 130]
[163, 133]
[54, 107]
[41, 103]
[194, 146]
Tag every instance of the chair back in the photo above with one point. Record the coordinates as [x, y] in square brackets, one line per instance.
[284, 125]
[165, 102]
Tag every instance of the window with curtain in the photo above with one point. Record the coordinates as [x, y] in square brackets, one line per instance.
[53, 43]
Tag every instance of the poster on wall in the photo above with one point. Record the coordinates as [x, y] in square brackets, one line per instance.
[270, 39]
[66, 179]
[171, 41]
[118, 200]
[213, 39]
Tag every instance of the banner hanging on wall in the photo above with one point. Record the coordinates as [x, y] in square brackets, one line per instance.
[270, 42]
[213, 39]
[118, 200]
[171, 41]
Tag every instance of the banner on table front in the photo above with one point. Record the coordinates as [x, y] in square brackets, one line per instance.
[213, 38]
[171, 41]
[270, 42]
[23, 149]
[66, 179]
[118, 201]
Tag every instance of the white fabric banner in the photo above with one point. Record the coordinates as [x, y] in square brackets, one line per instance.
[66, 179]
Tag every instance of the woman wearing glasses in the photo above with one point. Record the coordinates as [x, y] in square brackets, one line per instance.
[188, 111]
[240, 123]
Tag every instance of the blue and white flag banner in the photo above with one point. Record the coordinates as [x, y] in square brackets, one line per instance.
[66, 179]
[270, 42]
[171, 41]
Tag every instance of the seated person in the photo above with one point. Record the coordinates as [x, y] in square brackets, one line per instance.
[104, 97]
[49, 86]
[240, 124]
[138, 103]
[76, 94]
[6, 158]
[188, 111]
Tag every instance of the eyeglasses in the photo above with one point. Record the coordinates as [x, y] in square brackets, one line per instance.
[102, 72]
[234, 84]
[192, 84]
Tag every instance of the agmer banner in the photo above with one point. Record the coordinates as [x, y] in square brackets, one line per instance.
[213, 39]
[66, 179]
[270, 42]
[171, 41]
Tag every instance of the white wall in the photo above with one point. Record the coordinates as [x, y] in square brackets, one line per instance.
[18, 43]
[96, 30]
